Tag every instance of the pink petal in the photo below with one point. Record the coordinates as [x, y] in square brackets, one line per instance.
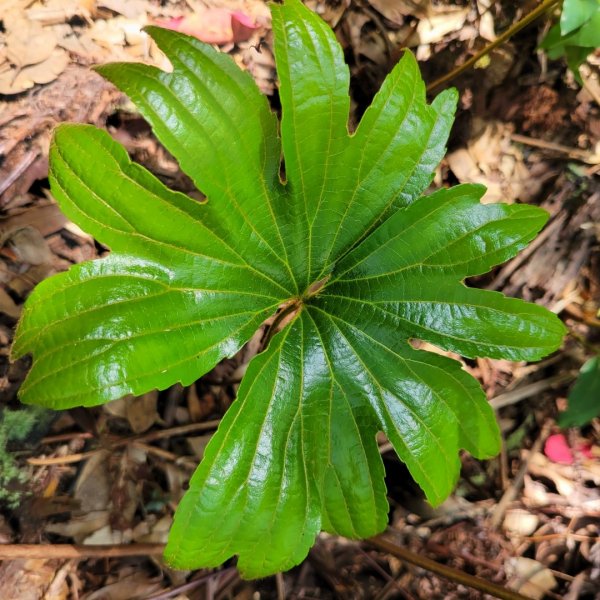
[557, 449]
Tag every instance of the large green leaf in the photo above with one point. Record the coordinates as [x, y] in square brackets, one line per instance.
[346, 240]
[170, 301]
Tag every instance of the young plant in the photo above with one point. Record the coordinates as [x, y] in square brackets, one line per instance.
[345, 246]
[576, 35]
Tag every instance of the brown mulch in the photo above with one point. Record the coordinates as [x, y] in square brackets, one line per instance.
[113, 475]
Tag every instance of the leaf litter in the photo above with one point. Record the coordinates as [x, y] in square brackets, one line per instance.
[559, 502]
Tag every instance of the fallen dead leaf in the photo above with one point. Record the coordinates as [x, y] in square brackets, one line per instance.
[438, 25]
[138, 585]
[8, 305]
[529, 577]
[53, 12]
[330, 11]
[132, 9]
[29, 246]
[492, 159]
[28, 43]
[27, 579]
[80, 527]
[396, 10]
[14, 81]
[141, 412]
[520, 522]
[486, 20]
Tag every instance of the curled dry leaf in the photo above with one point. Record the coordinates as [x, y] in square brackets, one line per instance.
[15, 82]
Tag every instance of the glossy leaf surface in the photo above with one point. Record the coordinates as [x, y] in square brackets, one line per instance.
[188, 283]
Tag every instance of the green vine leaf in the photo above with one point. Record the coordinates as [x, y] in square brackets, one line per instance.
[347, 239]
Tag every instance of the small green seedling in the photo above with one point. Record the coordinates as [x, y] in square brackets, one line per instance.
[345, 245]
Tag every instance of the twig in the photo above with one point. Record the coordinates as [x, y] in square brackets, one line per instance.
[511, 493]
[67, 551]
[67, 437]
[532, 389]
[503, 37]
[62, 460]
[572, 153]
[385, 542]
[140, 439]
[161, 434]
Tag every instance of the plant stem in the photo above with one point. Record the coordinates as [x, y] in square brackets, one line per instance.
[503, 37]
[385, 543]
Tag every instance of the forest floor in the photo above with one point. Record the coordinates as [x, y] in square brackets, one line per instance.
[528, 520]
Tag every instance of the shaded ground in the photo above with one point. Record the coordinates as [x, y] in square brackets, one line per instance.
[113, 475]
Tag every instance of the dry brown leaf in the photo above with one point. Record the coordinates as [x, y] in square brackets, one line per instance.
[80, 527]
[529, 577]
[107, 536]
[52, 12]
[438, 25]
[141, 411]
[198, 444]
[46, 218]
[396, 10]
[152, 531]
[138, 585]
[27, 579]
[28, 43]
[132, 9]
[520, 522]
[29, 246]
[92, 487]
[108, 33]
[8, 305]
[486, 20]
[330, 10]
[491, 159]
[16, 81]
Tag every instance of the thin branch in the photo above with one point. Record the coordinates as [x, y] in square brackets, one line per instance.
[139, 439]
[530, 390]
[385, 543]
[503, 37]
[69, 551]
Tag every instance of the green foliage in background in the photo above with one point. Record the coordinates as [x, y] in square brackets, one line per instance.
[346, 244]
[584, 398]
[576, 35]
[15, 426]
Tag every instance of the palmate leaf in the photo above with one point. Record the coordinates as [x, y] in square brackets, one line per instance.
[346, 239]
